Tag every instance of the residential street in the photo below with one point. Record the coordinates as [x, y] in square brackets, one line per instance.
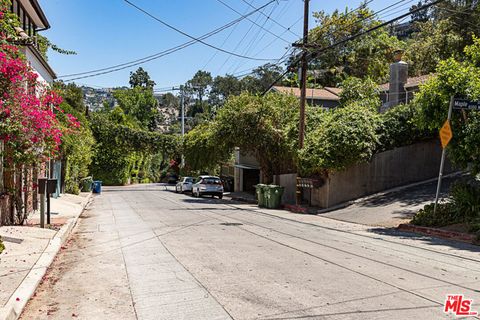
[141, 252]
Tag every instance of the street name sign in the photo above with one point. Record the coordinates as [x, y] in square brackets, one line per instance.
[464, 104]
[446, 134]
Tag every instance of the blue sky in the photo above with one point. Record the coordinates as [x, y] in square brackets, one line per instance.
[110, 32]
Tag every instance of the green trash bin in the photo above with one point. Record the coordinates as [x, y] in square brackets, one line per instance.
[260, 191]
[273, 196]
[87, 184]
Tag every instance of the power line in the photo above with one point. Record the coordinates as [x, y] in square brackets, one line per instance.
[239, 43]
[164, 52]
[192, 37]
[255, 23]
[223, 43]
[322, 49]
[253, 40]
[274, 21]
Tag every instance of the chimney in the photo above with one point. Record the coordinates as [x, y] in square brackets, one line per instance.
[398, 79]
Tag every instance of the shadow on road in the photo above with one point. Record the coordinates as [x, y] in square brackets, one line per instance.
[394, 233]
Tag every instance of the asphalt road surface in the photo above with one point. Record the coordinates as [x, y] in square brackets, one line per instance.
[142, 252]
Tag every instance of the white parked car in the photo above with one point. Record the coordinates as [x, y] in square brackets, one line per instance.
[184, 185]
[208, 185]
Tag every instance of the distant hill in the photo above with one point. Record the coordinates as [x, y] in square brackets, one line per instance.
[94, 98]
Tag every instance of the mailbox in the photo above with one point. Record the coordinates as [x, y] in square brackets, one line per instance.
[42, 183]
[51, 186]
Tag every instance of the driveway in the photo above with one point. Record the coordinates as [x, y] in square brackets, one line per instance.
[141, 252]
[393, 208]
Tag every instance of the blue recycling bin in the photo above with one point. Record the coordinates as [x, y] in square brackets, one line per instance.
[97, 186]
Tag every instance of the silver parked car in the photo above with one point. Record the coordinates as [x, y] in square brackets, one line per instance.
[184, 185]
[208, 185]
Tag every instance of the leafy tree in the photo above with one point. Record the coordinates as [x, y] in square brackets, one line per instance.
[366, 56]
[364, 91]
[399, 128]
[256, 125]
[202, 151]
[454, 78]
[77, 146]
[344, 137]
[72, 95]
[432, 42]
[196, 89]
[140, 104]
[261, 78]
[141, 78]
[222, 88]
[123, 150]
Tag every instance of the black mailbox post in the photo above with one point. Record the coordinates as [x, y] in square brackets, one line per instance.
[42, 184]
[47, 187]
[51, 186]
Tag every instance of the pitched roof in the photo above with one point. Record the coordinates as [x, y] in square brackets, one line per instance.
[412, 82]
[316, 94]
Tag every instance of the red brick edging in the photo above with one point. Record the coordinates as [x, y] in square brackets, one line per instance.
[445, 234]
[296, 209]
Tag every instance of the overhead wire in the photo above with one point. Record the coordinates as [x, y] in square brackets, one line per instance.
[223, 43]
[192, 37]
[350, 38]
[167, 51]
[255, 23]
[274, 21]
[238, 44]
[255, 41]
[254, 38]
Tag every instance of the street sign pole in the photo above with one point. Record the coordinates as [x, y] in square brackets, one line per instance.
[442, 161]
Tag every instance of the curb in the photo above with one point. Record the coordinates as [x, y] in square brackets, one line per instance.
[241, 199]
[444, 234]
[13, 308]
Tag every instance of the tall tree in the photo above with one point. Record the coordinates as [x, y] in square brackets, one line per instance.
[366, 56]
[262, 78]
[222, 88]
[141, 78]
[140, 104]
[198, 87]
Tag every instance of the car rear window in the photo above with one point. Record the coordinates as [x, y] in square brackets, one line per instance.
[211, 181]
[188, 179]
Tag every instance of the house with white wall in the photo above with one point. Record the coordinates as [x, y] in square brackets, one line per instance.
[32, 21]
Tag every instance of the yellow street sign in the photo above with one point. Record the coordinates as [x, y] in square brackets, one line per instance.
[446, 134]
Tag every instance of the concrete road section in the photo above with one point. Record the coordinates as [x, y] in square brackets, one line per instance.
[142, 252]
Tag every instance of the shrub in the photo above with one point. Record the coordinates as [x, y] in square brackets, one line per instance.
[444, 216]
[2, 246]
[346, 136]
[398, 128]
[466, 200]
[462, 207]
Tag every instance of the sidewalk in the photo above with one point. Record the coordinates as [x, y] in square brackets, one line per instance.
[29, 251]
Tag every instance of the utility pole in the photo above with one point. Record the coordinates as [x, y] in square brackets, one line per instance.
[182, 164]
[303, 76]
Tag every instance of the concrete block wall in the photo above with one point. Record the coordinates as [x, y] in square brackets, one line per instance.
[386, 170]
[389, 169]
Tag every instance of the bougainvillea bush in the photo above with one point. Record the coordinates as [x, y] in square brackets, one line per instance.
[30, 129]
